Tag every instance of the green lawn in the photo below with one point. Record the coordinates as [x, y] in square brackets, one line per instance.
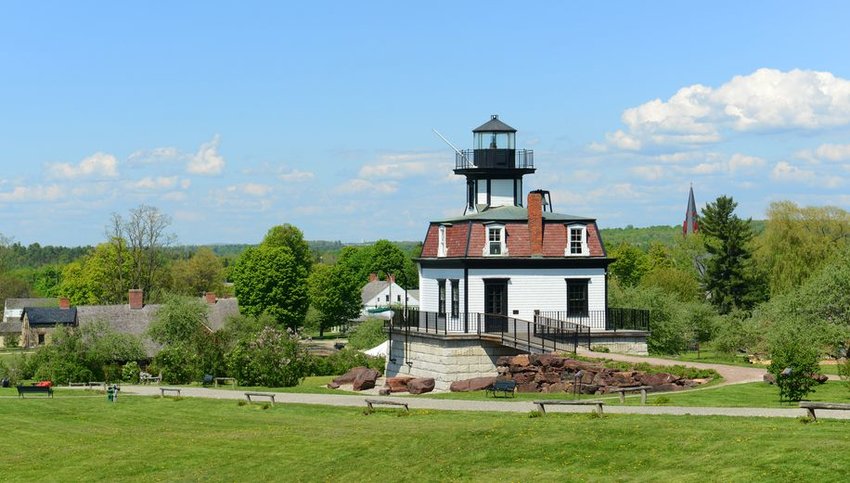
[152, 439]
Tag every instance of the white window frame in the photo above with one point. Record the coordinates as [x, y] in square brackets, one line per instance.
[441, 245]
[503, 245]
[584, 249]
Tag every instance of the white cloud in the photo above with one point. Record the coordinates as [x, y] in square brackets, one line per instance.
[649, 173]
[362, 185]
[767, 99]
[740, 161]
[785, 171]
[623, 141]
[155, 183]
[207, 160]
[98, 164]
[296, 176]
[175, 196]
[24, 194]
[393, 170]
[826, 152]
[154, 156]
[256, 189]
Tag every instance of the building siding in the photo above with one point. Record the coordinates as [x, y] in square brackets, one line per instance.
[528, 289]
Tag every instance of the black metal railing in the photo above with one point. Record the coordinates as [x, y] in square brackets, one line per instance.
[548, 328]
[523, 158]
[541, 335]
[611, 319]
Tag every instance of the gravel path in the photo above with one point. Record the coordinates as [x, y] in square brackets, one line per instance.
[731, 374]
[493, 406]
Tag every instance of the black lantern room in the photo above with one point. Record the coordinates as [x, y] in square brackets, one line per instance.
[494, 168]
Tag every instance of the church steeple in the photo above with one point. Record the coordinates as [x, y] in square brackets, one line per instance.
[494, 169]
[691, 224]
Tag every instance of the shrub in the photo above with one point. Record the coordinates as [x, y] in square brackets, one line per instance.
[367, 335]
[62, 371]
[274, 358]
[12, 340]
[792, 347]
[179, 364]
[342, 361]
[130, 372]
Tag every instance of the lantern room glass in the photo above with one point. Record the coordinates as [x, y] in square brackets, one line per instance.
[495, 140]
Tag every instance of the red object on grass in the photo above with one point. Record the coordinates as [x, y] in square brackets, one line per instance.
[43, 384]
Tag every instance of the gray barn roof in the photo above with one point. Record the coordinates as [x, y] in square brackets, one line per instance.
[17, 304]
[372, 289]
[42, 316]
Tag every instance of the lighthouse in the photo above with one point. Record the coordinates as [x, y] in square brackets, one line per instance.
[494, 168]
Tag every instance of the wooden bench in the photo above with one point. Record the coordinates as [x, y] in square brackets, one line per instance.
[146, 378]
[541, 405]
[35, 390]
[163, 390]
[811, 406]
[370, 402]
[260, 394]
[624, 390]
[501, 386]
[226, 380]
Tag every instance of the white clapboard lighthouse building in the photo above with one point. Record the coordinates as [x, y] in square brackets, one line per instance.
[507, 275]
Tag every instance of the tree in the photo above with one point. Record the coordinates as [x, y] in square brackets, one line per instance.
[630, 266]
[726, 239]
[794, 359]
[98, 278]
[335, 293]
[179, 319]
[290, 236]
[179, 326]
[202, 273]
[383, 258]
[140, 239]
[799, 240]
[271, 280]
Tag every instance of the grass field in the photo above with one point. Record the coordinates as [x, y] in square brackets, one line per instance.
[152, 439]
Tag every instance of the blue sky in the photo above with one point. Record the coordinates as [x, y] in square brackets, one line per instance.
[232, 118]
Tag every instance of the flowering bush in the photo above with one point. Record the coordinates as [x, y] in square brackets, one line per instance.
[273, 358]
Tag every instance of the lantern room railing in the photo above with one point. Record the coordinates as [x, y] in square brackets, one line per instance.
[522, 159]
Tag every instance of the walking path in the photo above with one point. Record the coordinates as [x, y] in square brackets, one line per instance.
[489, 405]
[731, 374]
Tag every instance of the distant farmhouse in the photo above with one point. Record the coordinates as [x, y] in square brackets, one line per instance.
[379, 294]
[505, 278]
[33, 321]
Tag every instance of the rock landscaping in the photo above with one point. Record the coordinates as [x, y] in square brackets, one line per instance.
[362, 378]
[551, 373]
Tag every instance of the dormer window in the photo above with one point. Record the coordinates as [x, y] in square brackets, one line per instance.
[576, 241]
[441, 245]
[495, 245]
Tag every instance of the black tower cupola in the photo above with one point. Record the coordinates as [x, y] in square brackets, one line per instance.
[494, 169]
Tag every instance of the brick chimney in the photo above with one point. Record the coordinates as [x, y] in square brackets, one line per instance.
[64, 303]
[391, 278]
[136, 296]
[535, 222]
[373, 277]
[210, 297]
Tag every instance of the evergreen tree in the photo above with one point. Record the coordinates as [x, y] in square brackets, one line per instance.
[727, 240]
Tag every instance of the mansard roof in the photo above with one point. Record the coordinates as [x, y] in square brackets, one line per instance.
[513, 213]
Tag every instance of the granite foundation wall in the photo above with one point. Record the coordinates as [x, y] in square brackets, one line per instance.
[444, 359]
[622, 342]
